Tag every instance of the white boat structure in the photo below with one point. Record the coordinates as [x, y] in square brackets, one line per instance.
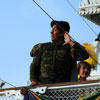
[90, 9]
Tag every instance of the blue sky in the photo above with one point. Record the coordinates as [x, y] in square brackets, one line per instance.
[23, 24]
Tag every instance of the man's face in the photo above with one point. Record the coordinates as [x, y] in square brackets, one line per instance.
[56, 35]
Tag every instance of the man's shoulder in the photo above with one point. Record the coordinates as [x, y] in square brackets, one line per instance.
[46, 44]
[42, 45]
[38, 48]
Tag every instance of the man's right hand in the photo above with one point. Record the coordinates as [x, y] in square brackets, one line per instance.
[33, 83]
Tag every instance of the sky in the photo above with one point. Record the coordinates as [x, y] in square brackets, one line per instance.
[23, 24]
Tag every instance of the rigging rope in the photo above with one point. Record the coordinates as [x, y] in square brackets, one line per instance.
[7, 83]
[43, 9]
[81, 17]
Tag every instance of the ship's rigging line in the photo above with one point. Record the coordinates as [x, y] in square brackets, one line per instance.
[8, 83]
[81, 17]
[61, 27]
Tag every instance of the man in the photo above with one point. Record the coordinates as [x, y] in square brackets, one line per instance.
[55, 62]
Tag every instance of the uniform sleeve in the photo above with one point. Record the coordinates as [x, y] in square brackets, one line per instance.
[78, 52]
[35, 65]
[35, 69]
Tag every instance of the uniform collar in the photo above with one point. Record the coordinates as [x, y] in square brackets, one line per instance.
[60, 43]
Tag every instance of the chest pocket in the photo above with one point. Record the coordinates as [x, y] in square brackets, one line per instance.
[60, 54]
[55, 55]
[48, 57]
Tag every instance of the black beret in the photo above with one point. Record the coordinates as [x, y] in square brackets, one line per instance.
[63, 25]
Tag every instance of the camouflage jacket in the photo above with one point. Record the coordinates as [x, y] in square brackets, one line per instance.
[55, 63]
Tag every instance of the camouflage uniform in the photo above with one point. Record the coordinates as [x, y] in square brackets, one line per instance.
[55, 63]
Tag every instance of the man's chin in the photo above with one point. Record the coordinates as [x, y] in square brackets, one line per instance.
[53, 41]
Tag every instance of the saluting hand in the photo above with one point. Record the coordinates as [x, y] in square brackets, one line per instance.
[67, 39]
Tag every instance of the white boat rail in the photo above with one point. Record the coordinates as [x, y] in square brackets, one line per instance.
[61, 91]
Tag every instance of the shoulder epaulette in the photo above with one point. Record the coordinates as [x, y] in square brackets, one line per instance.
[38, 49]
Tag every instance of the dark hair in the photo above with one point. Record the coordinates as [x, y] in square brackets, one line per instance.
[85, 63]
[62, 25]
